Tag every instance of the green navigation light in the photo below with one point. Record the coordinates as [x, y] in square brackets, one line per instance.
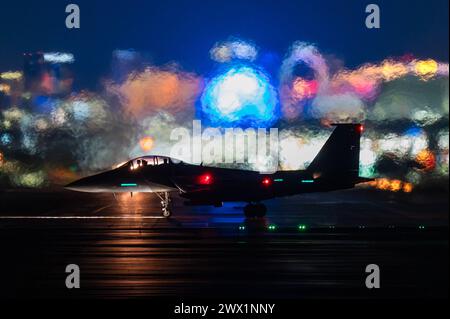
[128, 184]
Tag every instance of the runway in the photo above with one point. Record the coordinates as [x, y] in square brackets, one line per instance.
[126, 250]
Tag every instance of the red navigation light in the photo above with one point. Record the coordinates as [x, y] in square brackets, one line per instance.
[361, 128]
[266, 181]
[205, 179]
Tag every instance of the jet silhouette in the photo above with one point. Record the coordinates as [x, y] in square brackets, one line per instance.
[335, 167]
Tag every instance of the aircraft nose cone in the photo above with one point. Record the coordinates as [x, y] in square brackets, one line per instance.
[81, 185]
[102, 182]
[89, 184]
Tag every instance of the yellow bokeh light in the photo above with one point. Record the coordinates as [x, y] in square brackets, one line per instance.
[11, 75]
[426, 69]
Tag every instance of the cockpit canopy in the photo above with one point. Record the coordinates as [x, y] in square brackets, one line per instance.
[151, 160]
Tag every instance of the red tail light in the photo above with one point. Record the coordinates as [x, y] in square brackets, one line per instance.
[205, 179]
[266, 181]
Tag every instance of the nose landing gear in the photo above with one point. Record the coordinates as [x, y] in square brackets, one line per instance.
[255, 210]
[166, 204]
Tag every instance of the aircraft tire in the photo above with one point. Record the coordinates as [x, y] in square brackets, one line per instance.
[166, 212]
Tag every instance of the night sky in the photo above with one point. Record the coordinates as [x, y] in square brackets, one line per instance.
[184, 31]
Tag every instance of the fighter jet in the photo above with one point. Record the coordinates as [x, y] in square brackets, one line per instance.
[335, 167]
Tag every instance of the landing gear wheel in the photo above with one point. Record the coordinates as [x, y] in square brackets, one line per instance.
[166, 212]
[166, 204]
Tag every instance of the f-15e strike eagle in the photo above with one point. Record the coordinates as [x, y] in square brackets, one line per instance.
[335, 167]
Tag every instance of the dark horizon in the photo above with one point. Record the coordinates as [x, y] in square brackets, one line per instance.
[184, 32]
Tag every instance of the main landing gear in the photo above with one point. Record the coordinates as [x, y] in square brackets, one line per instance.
[166, 204]
[255, 210]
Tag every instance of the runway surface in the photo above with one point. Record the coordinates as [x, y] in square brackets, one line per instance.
[125, 249]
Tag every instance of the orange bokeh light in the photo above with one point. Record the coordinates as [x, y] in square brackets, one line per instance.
[426, 159]
[303, 89]
[392, 185]
[146, 143]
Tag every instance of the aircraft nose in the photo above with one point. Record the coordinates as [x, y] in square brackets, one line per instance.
[79, 185]
[103, 182]
[86, 184]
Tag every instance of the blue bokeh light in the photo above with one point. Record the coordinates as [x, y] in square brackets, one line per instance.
[5, 139]
[44, 104]
[242, 96]
[414, 131]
